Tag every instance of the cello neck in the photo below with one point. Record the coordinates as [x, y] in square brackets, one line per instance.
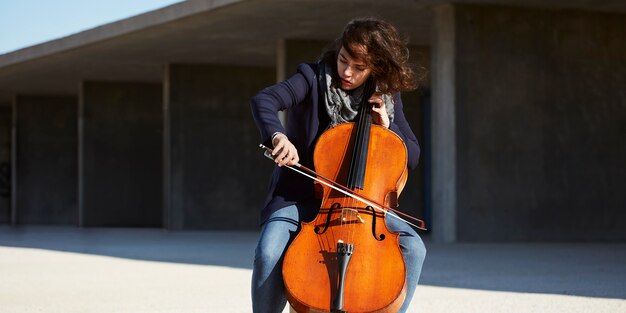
[358, 160]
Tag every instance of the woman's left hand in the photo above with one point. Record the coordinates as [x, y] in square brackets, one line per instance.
[379, 111]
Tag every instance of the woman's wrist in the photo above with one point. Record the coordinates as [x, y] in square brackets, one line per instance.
[274, 136]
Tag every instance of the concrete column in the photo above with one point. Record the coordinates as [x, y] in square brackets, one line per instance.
[301, 51]
[120, 146]
[5, 162]
[289, 54]
[539, 137]
[281, 63]
[44, 160]
[215, 176]
[443, 127]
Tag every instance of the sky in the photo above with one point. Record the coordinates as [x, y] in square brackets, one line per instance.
[24, 23]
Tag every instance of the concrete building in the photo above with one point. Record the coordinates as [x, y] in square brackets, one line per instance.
[145, 122]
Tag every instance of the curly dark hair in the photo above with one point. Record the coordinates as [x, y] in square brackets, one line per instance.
[379, 45]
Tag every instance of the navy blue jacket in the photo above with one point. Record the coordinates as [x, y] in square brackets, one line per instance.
[306, 121]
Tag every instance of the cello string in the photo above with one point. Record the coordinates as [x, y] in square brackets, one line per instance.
[359, 157]
[366, 123]
[343, 216]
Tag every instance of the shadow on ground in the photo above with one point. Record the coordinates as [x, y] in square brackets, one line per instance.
[592, 270]
[581, 269]
[220, 248]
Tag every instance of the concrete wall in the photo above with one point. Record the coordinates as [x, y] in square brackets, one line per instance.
[120, 154]
[45, 143]
[5, 162]
[301, 51]
[215, 174]
[540, 110]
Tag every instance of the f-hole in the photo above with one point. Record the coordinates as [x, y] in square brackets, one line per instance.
[382, 236]
[330, 212]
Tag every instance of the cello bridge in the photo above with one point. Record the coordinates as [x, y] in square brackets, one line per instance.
[349, 214]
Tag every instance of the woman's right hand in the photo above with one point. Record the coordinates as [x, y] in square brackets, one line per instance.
[284, 151]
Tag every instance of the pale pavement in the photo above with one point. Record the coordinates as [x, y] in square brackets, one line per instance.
[65, 269]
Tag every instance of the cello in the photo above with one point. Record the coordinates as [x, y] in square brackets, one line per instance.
[346, 260]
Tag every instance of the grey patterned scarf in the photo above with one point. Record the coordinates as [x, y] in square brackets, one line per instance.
[343, 106]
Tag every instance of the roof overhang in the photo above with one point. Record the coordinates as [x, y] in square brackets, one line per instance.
[222, 32]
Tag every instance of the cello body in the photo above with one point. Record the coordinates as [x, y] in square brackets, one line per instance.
[374, 278]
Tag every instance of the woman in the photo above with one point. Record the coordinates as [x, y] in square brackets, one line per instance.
[317, 97]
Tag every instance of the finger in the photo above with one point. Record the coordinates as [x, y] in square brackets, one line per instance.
[378, 112]
[282, 162]
[288, 155]
[281, 155]
[293, 157]
[377, 100]
[295, 160]
[278, 147]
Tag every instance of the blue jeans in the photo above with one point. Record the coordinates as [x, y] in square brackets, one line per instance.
[281, 228]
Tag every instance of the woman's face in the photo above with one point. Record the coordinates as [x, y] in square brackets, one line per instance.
[352, 72]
